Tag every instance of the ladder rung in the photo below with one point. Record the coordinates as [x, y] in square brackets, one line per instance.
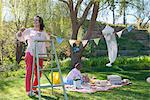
[43, 40]
[47, 69]
[45, 53]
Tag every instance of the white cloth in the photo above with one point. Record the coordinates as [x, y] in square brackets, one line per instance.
[74, 73]
[111, 43]
[119, 33]
[31, 35]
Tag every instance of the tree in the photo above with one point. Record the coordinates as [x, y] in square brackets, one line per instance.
[142, 13]
[77, 22]
[18, 8]
[22, 13]
[123, 7]
[1, 27]
[112, 8]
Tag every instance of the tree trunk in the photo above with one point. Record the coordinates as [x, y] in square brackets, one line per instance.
[76, 56]
[93, 21]
[113, 15]
[2, 51]
[77, 22]
[124, 16]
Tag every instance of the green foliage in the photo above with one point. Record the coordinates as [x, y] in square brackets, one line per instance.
[135, 63]
[57, 21]
[14, 80]
[97, 64]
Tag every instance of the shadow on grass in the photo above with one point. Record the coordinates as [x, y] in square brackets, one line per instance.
[60, 96]
[45, 97]
[136, 75]
[131, 75]
[134, 93]
[6, 83]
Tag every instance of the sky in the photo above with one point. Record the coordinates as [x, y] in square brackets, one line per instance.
[104, 18]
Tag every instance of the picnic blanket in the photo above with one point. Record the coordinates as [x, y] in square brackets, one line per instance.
[96, 87]
[92, 88]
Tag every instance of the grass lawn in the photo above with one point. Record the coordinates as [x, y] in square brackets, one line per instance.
[12, 87]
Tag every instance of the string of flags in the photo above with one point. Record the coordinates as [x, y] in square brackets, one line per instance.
[96, 40]
[130, 28]
[110, 38]
[59, 40]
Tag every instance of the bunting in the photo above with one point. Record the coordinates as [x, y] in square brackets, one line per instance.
[129, 28]
[96, 41]
[119, 33]
[59, 40]
[110, 41]
[84, 42]
[71, 42]
[106, 31]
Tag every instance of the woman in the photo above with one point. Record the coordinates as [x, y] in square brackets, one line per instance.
[30, 35]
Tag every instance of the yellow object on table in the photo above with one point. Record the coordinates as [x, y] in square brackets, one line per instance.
[56, 77]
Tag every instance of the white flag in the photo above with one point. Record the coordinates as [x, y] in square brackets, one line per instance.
[96, 40]
[71, 42]
[84, 42]
[119, 33]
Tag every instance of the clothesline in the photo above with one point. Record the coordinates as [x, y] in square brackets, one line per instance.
[96, 40]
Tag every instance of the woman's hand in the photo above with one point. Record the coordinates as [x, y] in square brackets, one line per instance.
[20, 32]
[22, 29]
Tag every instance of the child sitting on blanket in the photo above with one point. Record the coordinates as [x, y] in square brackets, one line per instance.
[74, 73]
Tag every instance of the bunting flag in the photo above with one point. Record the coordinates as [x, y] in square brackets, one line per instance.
[129, 28]
[96, 40]
[59, 40]
[119, 33]
[71, 42]
[84, 42]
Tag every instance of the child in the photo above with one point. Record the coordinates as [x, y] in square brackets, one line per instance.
[73, 74]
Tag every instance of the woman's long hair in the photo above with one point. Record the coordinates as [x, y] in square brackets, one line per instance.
[41, 23]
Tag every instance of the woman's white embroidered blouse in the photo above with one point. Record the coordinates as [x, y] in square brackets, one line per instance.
[31, 35]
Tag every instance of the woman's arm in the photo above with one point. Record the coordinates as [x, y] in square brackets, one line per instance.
[22, 34]
[19, 33]
[47, 37]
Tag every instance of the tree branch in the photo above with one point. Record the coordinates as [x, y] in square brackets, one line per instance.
[85, 13]
[78, 5]
[133, 15]
[93, 20]
[64, 2]
[71, 5]
[72, 12]
[104, 7]
[146, 22]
